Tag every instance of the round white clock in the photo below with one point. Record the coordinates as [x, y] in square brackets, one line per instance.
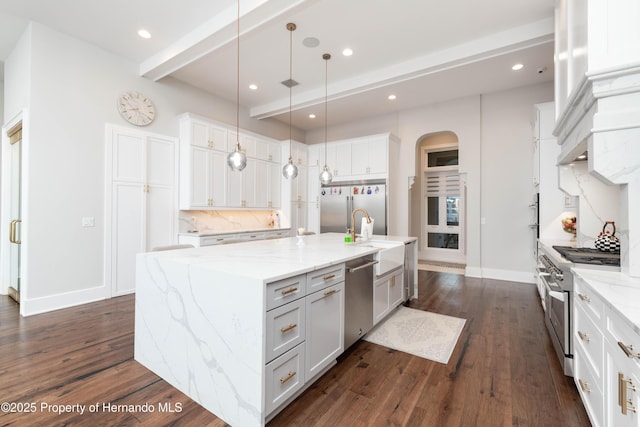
[136, 108]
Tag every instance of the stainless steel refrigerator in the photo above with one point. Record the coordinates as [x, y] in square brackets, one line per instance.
[338, 200]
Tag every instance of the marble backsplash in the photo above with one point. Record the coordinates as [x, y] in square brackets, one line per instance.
[226, 220]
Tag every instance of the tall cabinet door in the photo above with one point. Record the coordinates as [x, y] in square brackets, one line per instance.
[141, 201]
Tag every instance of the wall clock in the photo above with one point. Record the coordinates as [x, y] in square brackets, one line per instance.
[136, 108]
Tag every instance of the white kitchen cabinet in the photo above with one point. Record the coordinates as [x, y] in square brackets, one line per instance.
[203, 134]
[284, 376]
[606, 376]
[141, 201]
[388, 293]
[369, 156]
[206, 182]
[299, 185]
[299, 154]
[623, 376]
[325, 328]
[285, 328]
[298, 215]
[338, 158]
[205, 186]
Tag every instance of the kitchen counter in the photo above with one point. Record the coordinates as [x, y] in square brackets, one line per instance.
[619, 291]
[222, 233]
[200, 319]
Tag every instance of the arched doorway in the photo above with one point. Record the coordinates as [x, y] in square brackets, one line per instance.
[437, 200]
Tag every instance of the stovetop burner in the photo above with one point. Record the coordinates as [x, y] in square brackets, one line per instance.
[589, 256]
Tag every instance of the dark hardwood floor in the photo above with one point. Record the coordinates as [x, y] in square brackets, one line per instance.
[502, 372]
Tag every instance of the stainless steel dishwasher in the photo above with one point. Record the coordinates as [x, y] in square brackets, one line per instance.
[358, 299]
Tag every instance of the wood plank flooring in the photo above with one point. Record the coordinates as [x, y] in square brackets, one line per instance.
[503, 371]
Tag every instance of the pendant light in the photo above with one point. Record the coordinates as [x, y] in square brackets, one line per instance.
[290, 170]
[325, 175]
[237, 159]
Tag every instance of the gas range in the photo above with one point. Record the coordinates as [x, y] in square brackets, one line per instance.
[589, 256]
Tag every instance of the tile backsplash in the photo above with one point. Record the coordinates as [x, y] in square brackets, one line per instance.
[226, 220]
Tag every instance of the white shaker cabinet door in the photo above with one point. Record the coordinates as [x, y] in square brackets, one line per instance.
[325, 328]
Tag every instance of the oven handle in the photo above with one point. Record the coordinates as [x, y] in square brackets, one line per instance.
[550, 286]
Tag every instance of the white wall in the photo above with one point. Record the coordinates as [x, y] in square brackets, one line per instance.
[495, 139]
[70, 89]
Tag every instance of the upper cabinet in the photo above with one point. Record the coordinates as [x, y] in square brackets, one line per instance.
[206, 182]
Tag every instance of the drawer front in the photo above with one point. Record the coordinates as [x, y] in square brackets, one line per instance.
[277, 234]
[591, 340]
[624, 338]
[285, 328]
[324, 277]
[589, 388]
[589, 301]
[284, 377]
[216, 240]
[285, 291]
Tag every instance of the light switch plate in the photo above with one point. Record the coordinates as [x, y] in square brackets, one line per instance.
[88, 221]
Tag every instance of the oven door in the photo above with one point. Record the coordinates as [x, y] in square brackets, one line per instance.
[558, 312]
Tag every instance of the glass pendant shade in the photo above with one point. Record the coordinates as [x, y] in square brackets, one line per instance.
[325, 175]
[290, 170]
[237, 160]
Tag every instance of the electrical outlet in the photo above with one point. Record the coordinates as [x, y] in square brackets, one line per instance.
[88, 221]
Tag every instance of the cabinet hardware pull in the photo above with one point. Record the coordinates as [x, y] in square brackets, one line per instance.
[329, 276]
[290, 375]
[584, 336]
[584, 297]
[329, 292]
[628, 350]
[288, 328]
[584, 386]
[624, 403]
[288, 291]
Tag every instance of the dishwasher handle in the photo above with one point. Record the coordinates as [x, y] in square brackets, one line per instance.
[360, 267]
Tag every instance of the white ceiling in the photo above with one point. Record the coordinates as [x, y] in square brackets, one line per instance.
[424, 51]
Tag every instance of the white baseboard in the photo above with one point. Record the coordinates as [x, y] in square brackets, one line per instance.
[508, 275]
[473, 272]
[33, 306]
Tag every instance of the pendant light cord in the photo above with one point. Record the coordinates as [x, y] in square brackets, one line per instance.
[326, 58]
[290, 80]
[238, 83]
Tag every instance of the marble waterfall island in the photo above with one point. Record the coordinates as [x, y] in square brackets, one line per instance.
[201, 318]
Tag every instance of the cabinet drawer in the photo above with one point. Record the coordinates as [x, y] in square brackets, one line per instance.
[589, 389]
[217, 240]
[622, 335]
[285, 328]
[591, 340]
[285, 290]
[589, 301]
[283, 377]
[324, 277]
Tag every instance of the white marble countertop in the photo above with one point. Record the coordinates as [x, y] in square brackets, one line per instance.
[221, 233]
[620, 291]
[270, 260]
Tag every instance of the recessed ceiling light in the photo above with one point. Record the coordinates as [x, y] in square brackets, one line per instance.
[312, 116]
[391, 97]
[253, 86]
[347, 52]
[517, 67]
[144, 33]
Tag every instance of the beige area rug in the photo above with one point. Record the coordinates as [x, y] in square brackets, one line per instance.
[421, 333]
[443, 267]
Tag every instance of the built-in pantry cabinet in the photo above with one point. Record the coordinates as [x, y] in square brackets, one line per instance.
[141, 196]
[205, 180]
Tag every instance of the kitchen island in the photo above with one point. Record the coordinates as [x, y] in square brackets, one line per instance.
[205, 320]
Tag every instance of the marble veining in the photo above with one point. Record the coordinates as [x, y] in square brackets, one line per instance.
[620, 291]
[225, 221]
[200, 315]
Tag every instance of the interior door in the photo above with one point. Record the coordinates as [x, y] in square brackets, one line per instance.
[15, 153]
[442, 239]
